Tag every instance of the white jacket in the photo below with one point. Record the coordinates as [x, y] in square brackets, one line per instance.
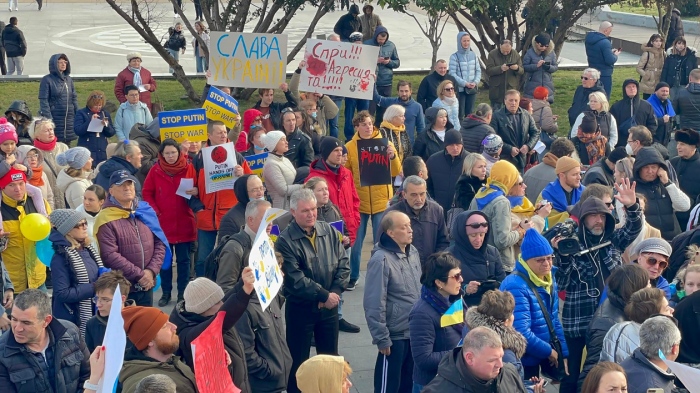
[279, 174]
[73, 187]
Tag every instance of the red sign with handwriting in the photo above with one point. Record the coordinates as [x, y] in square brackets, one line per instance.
[211, 360]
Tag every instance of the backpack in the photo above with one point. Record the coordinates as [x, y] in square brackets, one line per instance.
[211, 264]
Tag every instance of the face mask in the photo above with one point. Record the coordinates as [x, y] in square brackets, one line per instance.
[629, 150]
[313, 114]
[262, 198]
[259, 147]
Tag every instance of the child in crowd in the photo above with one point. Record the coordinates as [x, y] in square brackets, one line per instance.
[493, 144]
[687, 280]
[105, 286]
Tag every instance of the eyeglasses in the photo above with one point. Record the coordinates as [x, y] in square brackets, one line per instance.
[457, 277]
[449, 89]
[32, 156]
[478, 225]
[651, 261]
[257, 189]
[608, 204]
[104, 300]
[97, 97]
[287, 110]
[585, 78]
[81, 224]
[547, 259]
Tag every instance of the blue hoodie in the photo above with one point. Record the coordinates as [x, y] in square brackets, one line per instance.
[599, 53]
[385, 72]
[464, 65]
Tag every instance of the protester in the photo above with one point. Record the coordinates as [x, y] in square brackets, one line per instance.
[652, 255]
[447, 100]
[605, 377]
[278, 171]
[441, 280]
[473, 177]
[175, 43]
[686, 164]
[600, 109]
[369, 22]
[19, 115]
[414, 120]
[631, 111]
[135, 75]
[651, 64]
[127, 157]
[74, 180]
[591, 146]
[544, 118]
[320, 107]
[686, 100]
[327, 211]
[431, 140]
[7, 290]
[57, 97]
[590, 83]
[131, 113]
[348, 23]
[33, 159]
[681, 61]
[148, 138]
[427, 91]
[466, 69]
[475, 127]
[42, 131]
[105, 288]
[504, 68]
[688, 324]
[411, 166]
[540, 62]
[446, 168]
[300, 150]
[601, 55]
[35, 332]
[603, 171]
[539, 176]
[272, 111]
[200, 57]
[96, 142]
[246, 188]
[386, 63]
[563, 192]
[517, 129]
[15, 46]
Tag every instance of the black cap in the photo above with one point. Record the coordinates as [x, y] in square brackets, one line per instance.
[328, 144]
[119, 177]
[453, 137]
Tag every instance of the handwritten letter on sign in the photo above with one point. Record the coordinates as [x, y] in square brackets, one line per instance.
[339, 68]
[209, 355]
[247, 59]
[219, 165]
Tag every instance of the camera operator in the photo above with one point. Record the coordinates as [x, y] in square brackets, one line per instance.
[582, 274]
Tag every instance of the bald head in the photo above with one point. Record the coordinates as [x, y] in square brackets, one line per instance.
[605, 27]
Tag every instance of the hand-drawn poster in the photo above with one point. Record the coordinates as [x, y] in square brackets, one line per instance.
[339, 68]
[247, 59]
[210, 363]
[185, 125]
[219, 165]
[268, 277]
[375, 169]
[221, 107]
[256, 163]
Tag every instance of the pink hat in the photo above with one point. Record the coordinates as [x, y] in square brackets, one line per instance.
[7, 131]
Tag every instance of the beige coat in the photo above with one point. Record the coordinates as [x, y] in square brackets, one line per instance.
[73, 187]
[279, 174]
[542, 113]
[649, 67]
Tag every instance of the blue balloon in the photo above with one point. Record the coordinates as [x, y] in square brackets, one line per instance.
[44, 251]
[157, 286]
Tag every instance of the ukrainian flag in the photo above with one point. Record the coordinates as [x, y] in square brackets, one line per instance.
[453, 315]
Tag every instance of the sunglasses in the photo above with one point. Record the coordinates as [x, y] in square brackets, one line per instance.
[449, 89]
[478, 225]
[651, 261]
[97, 97]
[457, 276]
[585, 78]
[608, 204]
[287, 110]
[81, 224]
[542, 260]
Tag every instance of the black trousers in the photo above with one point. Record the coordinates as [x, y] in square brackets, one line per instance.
[466, 104]
[394, 373]
[576, 346]
[303, 323]
[344, 4]
[142, 298]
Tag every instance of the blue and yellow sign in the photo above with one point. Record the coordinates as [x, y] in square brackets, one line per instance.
[221, 107]
[186, 125]
[256, 163]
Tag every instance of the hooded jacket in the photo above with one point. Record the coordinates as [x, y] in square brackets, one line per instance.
[544, 118]
[128, 116]
[13, 41]
[649, 67]
[249, 117]
[626, 108]
[414, 121]
[427, 91]
[527, 135]
[47, 188]
[464, 65]
[112, 165]
[369, 22]
[539, 76]
[148, 137]
[342, 192]
[73, 188]
[477, 265]
[466, 189]
[676, 27]
[126, 78]
[501, 81]
[392, 288]
[677, 67]
[643, 374]
[687, 312]
[686, 104]
[444, 172]
[385, 72]
[348, 23]
[428, 225]
[579, 104]
[58, 100]
[474, 130]
[137, 366]
[583, 278]
[599, 173]
[96, 142]
[233, 221]
[427, 142]
[599, 53]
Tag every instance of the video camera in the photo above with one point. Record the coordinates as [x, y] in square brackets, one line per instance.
[569, 243]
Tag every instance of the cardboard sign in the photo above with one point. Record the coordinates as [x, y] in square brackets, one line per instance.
[268, 277]
[247, 59]
[210, 363]
[256, 163]
[221, 107]
[339, 68]
[115, 345]
[375, 165]
[219, 164]
[186, 125]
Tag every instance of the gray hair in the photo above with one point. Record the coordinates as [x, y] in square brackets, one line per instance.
[125, 148]
[156, 383]
[253, 206]
[415, 180]
[595, 74]
[483, 110]
[34, 298]
[604, 25]
[301, 195]
[469, 161]
[333, 37]
[480, 338]
[659, 333]
[393, 111]
[388, 220]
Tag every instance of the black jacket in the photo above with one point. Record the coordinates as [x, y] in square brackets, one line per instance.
[687, 169]
[643, 374]
[599, 173]
[112, 165]
[623, 110]
[264, 341]
[688, 315]
[687, 104]
[58, 100]
[232, 222]
[473, 131]
[191, 325]
[96, 327]
[466, 189]
[675, 28]
[427, 142]
[348, 23]
[13, 41]
[528, 135]
[580, 101]
[20, 371]
[176, 41]
[301, 150]
[427, 91]
[659, 208]
[444, 172]
[311, 273]
[428, 227]
[276, 109]
[454, 377]
[583, 152]
[96, 142]
[233, 259]
[149, 145]
[677, 68]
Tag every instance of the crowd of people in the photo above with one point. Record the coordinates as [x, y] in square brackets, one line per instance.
[576, 258]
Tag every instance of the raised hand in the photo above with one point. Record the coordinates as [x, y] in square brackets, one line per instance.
[626, 193]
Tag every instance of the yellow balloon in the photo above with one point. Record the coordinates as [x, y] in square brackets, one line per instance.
[35, 227]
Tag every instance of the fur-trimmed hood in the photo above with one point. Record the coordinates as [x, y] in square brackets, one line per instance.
[547, 51]
[511, 338]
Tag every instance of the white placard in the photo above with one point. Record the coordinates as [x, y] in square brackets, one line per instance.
[219, 164]
[115, 344]
[268, 277]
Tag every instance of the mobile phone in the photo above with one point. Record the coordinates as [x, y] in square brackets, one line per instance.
[509, 64]
[619, 49]
[655, 390]
[386, 58]
[547, 63]
[546, 382]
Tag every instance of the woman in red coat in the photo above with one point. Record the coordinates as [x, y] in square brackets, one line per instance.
[135, 75]
[174, 212]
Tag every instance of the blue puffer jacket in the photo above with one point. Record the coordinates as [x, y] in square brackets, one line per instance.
[464, 65]
[58, 100]
[529, 319]
[385, 72]
[599, 53]
[95, 142]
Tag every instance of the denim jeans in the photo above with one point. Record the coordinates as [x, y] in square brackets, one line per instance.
[356, 252]
[207, 241]
[466, 105]
[182, 258]
[201, 63]
[176, 55]
[340, 304]
[352, 104]
[333, 123]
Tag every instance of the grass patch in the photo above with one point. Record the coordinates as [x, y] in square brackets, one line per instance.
[640, 10]
[170, 92]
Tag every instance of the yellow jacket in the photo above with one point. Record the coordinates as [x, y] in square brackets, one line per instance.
[21, 261]
[373, 199]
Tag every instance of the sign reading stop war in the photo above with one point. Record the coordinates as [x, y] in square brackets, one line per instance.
[186, 125]
[247, 59]
[221, 107]
[339, 68]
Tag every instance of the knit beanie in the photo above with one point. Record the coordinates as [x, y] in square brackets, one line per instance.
[453, 137]
[7, 131]
[492, 143]
[589, 124]
[534, 245]
[66, 219]
[270, 139]
[133, 55]
[540, 93]
[200, 294]
[660, 85]
[321, 373]
[565, 164]
[11, 176]
[688, 136]
[328, 144]
[142, 324]
[617, 154]
[505, 173]
[543, 39]
[75, 157]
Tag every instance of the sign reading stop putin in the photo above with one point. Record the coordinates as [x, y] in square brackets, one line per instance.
[185, 125]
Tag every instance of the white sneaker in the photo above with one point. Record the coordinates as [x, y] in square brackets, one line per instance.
[16, 8]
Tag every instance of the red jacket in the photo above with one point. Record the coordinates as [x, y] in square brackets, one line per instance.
[126, 78]
[342, 192]
[174, 214]
[216, 204]
[248, 119]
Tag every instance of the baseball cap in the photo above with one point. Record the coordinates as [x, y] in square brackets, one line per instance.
[119, 177]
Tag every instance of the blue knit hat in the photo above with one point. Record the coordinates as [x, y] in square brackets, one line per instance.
[535, 245]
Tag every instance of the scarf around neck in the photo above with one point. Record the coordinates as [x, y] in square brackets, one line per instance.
[554, 193]
[137, 76]
[173, 169]
[76, 260]
[521, 205]
[440, 304]
[547, 283]
[449, 100]
[45, 146]
[489, 192]
[661, 108]
[36, 179]
[595, 146]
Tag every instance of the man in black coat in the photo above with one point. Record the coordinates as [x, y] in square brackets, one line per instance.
[590, 83]
[301, 150]
[271, 111]
[517, 129]
[3, 66]
[687, 166]
[246, 188]
[603, 171]
[427, 91]
[445, 168]
[687, 102]
[631, 111]
[15, 47]
[348, 23]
